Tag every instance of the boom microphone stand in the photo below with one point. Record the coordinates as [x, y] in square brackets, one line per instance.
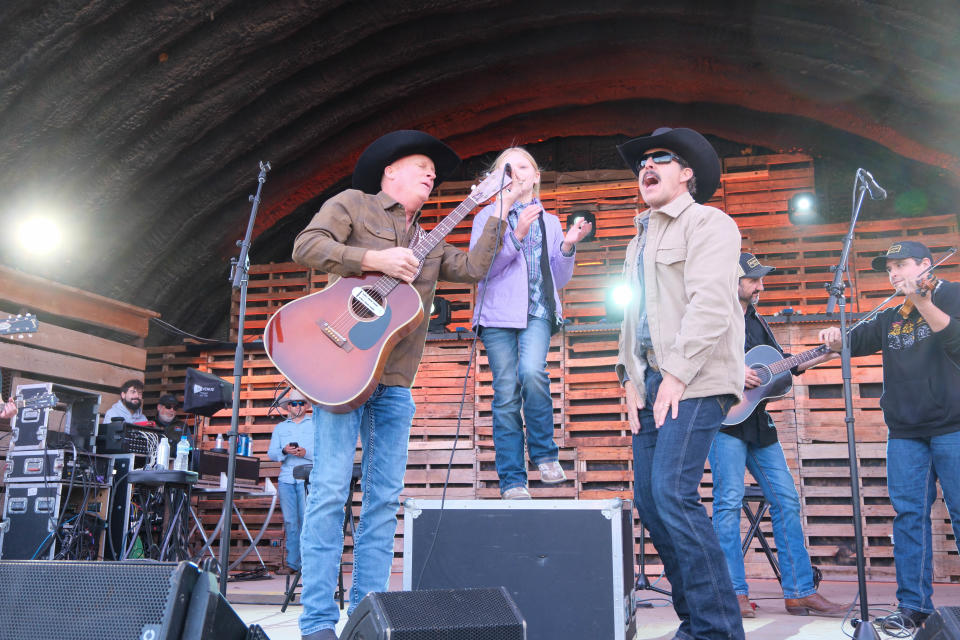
[239, 267]
[864, 628]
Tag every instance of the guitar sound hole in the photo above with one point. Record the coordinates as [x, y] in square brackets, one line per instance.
[360, 310]
[764, 374]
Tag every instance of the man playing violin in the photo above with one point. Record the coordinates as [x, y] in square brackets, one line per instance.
[921, 375]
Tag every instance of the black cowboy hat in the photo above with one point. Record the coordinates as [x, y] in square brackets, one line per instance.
[398, 144]
[689, 145]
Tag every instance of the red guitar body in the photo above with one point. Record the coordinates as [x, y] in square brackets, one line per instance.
[332, 345]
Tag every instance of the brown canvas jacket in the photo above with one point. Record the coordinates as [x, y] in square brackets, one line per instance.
[352, 222]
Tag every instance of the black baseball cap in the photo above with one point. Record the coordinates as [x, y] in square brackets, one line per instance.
[169, 400]
[899, 251]
[750, 267]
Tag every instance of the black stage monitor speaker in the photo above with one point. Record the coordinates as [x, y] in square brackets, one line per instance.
[442, 614]
[204, 393]
[129, 600]
[943, 624]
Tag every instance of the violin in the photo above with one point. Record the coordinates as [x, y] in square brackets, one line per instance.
[925, 283]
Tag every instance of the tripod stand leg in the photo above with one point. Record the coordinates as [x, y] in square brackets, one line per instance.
[642, 582]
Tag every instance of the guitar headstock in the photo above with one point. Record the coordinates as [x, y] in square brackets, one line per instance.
[494, 183]
[19, 325]
[41, 401]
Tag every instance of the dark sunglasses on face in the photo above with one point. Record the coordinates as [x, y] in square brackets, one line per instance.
[296, 403]
[659, 157]
[167, 406]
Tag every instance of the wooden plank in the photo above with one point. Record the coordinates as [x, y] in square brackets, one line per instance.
[53, 338]
[40, 294]
[55, 365]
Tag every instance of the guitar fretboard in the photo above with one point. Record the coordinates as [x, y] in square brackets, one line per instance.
[789, 363]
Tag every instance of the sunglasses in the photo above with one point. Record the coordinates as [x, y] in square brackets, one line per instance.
[296, 403]
[167, 406]
[658, 157]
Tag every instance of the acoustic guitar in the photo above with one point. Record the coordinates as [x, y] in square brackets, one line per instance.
[332, 345]
[775, 378]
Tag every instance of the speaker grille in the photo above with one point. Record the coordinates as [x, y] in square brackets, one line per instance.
[78, 600]
[451, 614]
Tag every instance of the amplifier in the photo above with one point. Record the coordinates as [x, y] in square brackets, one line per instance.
[32, 513]
[57, 465]
[213, 463]
[73, 421]
[943, 624]
[568, 564]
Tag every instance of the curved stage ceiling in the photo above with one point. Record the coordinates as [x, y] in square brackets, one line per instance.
[142, 123]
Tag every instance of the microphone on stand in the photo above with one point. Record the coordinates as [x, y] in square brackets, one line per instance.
[276, 401]
[876, 191]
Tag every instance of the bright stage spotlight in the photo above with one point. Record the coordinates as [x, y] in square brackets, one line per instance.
[617, 298]
[39, 235]
[802, 208]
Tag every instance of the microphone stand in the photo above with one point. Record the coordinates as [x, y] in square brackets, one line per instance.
[239, 270]
[864, 628]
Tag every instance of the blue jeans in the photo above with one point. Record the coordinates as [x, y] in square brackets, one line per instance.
[667, 469]
[383, 425]
[913, 467]
[518, 361]
[728, 458]
[291, 497]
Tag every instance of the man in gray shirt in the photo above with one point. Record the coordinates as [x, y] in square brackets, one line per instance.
[130, 405]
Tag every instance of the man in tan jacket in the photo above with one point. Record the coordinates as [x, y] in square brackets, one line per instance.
[681, 364]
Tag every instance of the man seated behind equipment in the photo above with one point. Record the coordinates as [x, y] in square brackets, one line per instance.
[167, 420]
[130, 405]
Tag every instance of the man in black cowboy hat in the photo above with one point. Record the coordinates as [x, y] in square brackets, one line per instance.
[370, 228]
[681, 364]
[920, 345]
[752, 444]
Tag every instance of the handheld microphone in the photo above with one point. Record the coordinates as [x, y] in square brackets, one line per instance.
[507, 169]
[876, 191]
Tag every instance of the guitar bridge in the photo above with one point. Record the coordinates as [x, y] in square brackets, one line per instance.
[335, 336]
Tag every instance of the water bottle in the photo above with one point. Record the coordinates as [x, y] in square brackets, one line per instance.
[163, 453]
[219, 443]
[182, 463]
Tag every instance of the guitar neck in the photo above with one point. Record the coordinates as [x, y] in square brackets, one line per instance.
[789, 363]
[444, 227]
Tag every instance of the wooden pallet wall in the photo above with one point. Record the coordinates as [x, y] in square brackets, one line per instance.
[592, 429]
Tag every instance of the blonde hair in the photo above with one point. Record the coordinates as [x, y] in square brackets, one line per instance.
[501, 159]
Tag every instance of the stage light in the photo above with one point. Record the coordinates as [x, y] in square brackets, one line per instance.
[39, 235]
[617, 298]
[576, 216]
[802, 208]
[439, 315]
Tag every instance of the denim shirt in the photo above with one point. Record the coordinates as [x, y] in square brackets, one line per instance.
[283, 434]
[643, 327]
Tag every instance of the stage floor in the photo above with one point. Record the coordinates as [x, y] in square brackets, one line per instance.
[259, 602]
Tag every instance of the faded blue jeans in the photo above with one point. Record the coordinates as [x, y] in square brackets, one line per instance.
[913, 467]
[292, 504]
[667, 469]
[728, 458]
[518, 361]
[383, 425]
